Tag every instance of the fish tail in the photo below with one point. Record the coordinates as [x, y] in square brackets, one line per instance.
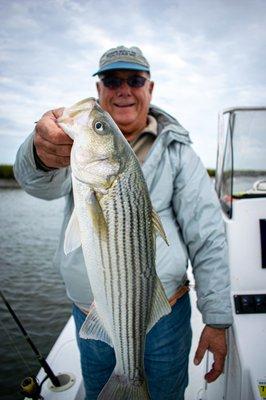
[119, 388]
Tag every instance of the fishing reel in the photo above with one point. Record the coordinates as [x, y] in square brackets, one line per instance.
[31, 388]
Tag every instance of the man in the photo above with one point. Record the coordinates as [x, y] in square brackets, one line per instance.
[181, 193]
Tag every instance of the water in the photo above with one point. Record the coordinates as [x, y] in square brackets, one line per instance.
[30, 282]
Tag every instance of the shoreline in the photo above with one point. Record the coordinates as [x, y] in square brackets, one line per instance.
[9, 184]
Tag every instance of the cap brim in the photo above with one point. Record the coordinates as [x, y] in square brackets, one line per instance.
[122, 65]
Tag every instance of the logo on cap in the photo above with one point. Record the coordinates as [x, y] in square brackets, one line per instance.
[122, 57]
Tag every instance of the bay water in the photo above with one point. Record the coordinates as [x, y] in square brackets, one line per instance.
[29, 232]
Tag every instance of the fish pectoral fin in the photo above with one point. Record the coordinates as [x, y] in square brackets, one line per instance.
[158, 226]
[160, 305]
[72, 234]
[92, 327]
[97, 217]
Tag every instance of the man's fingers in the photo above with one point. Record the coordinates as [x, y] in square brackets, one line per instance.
[58, 112]
[53, 161]
[53, 156]
[58, 162]
[51, 132]
[54, 114]
[43, 146]
[202, 347]
[52, 144]
[216, 370]
[48, 128]
[217, 366]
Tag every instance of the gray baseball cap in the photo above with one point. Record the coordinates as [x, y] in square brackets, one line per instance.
[122, 57]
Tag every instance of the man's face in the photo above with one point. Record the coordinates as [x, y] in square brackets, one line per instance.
[127, 105]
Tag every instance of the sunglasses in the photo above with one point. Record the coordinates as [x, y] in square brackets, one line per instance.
[134, 81]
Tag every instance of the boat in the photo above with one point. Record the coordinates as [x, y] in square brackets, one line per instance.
[240, 183]
[64, 361]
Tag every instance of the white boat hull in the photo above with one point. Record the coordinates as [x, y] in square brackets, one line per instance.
[64, 359]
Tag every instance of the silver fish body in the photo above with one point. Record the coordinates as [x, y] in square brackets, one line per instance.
[116, 225]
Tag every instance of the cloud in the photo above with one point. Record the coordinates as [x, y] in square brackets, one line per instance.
[205, 56]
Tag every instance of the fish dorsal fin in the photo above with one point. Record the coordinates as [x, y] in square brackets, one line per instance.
[72, 234]
[92, 327]
[157, 224]
[160, 305]
[97, 217]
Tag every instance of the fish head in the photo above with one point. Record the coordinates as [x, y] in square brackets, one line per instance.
[99, 152]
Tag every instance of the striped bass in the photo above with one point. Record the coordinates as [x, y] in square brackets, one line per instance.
[115, 223]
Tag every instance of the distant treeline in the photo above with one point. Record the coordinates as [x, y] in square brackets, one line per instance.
[211, 172]
[6, 172]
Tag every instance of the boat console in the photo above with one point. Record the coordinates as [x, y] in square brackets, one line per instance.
[241, 186]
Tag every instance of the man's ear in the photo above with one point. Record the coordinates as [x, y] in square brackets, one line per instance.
[151, 87]
[98, 87]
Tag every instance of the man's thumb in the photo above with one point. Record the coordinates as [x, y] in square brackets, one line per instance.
[199, 353]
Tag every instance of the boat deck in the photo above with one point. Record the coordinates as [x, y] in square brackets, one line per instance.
[64, 358]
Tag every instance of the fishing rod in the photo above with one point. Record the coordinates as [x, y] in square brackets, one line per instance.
[54, 379]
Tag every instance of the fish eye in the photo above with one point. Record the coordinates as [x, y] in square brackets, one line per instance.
[99, 126]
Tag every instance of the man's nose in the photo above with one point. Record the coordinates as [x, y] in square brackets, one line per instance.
[124, 89]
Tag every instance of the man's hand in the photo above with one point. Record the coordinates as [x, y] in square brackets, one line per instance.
[212, 339]
[52, 144]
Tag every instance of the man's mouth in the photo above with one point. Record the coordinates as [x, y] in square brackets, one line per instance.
[124, 105]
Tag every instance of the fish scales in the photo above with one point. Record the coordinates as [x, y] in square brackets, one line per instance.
[114, 222]
[128, 306]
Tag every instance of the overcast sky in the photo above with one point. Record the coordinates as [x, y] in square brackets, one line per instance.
[205, 55]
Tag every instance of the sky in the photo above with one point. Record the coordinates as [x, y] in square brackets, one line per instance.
[205, 56]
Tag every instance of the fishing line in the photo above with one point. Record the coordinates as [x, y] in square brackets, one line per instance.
[29, 380]
[13, 343]
[54, 379]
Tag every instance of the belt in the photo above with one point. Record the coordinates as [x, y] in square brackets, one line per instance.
[172, 300]
[179, 293]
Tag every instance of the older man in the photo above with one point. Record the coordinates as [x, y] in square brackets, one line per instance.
[181, 193]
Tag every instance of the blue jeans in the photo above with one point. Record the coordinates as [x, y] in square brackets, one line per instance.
[166, 355]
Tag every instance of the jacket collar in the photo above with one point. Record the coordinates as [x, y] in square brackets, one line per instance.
[169, 128]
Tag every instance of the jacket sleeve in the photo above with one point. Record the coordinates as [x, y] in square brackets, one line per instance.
[198, 214]
[45, 185]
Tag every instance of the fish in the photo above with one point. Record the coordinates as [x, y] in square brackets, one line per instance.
[114, 222]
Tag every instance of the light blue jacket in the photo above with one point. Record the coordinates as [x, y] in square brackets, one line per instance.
[184, 197]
